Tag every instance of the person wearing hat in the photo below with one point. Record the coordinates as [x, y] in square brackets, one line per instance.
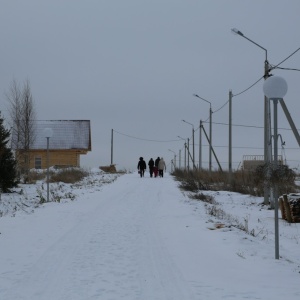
[161, 167]
[141, 167]
[151, 166]
[156, 166]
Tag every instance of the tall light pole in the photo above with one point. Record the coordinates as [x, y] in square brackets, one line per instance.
[112, 148]
[188, 154]
[174, 158]
[230, 138]
[48, 133]
[193, 137]
[275, 88]
[200, 146]
[210, 130]
[267, 127]
[184, 151]
[179, 159]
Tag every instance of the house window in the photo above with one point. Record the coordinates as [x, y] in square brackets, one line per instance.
[38, 162]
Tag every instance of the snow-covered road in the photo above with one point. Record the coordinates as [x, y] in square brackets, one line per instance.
[105, 247]
[135, 239]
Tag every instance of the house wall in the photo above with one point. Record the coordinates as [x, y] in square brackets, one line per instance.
[251, 165]
[60, 158]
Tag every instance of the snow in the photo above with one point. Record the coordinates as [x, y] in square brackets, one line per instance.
[126, 237]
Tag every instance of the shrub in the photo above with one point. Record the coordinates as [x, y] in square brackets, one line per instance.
[283, 177]
[242, 181]
[205, 198]
[8, 164]
[70, 175]
[33, 176]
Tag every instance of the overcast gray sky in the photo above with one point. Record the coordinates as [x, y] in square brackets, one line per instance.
[134, 65]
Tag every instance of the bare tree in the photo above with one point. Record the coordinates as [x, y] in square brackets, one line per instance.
[22, 115]
[28, 117]
[14, 98]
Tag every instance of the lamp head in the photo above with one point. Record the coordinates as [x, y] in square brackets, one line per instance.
[48, 132]
[236, 31]
[275, 87]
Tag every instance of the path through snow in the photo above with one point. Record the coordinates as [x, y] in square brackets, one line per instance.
[135, 239]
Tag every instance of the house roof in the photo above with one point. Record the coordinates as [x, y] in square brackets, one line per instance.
[67, 134]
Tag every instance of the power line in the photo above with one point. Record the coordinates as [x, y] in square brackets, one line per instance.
[238, 94]
[237, 125]
[272, 68]
[248, 87]
[221, 106]
[288, 69]
[142, 139]
[248, 126]
[275, 67]
[216, 123]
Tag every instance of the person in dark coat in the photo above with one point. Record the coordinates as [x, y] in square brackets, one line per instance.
[141, 167]
[156, 162]
[151, 166]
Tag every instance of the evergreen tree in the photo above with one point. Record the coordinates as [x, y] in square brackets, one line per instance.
[8, 171]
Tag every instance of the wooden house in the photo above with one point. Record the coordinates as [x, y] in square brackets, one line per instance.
[70, 139]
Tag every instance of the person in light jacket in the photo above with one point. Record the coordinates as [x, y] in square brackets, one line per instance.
[161, 167]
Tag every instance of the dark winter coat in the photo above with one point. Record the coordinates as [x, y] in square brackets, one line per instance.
[151, 163]
[142, 165]
[156, 162]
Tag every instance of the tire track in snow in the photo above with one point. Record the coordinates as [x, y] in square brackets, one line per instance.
[50, 274]
[163, 279]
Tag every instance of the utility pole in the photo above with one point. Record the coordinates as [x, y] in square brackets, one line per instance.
[193, 139]
[200, 146]
[194, 166]
[184, 152]
[184, 156]
[210, 138]
[267, 119]
[210, 130]
[267, 137]
[112, 146]
[188, 150]
[230, 138]
[180, 159]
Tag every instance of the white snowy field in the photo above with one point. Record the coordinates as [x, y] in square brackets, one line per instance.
[142, 239]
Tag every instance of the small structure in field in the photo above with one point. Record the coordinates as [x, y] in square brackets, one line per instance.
[251, 162]
[108, 169]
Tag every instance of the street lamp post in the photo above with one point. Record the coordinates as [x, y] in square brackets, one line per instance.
[188, 154]
[200, 146]
[210, 130]
[193, 137]
[230, 138]
[48, 133]
[174, 158]
[275, 88]
[184, 151]
[179, 159]
[267, 127]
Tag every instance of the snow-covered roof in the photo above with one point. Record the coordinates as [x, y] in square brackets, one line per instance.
[67, 134]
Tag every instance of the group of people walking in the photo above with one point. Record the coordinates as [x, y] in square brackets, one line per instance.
[156, 168]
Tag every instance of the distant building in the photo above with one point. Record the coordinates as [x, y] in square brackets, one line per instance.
[70, 139]
[251, 162]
